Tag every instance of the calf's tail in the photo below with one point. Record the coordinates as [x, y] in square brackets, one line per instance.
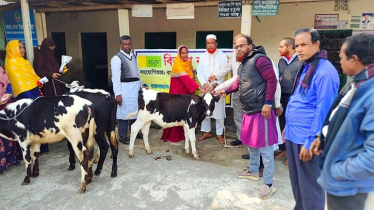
[113, 111]
[131, 114]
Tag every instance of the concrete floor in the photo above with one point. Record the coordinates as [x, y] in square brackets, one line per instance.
[145, 183]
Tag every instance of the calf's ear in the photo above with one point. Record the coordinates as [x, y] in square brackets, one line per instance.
[216, 98]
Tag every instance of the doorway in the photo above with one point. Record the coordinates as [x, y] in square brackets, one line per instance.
[224, 39]
[95, 60]
[59, 38]
[160, 40]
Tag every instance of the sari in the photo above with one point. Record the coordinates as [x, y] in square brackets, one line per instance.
[181, 82]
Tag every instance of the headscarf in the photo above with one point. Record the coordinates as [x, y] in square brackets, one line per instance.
[21, 74]
[45, 62]
[4, 81]
[181, 67]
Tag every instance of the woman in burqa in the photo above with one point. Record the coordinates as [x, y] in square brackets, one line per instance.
[46, 65]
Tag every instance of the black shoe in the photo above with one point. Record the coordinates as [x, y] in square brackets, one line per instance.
[236, 143]
[124, 140]
[246, 156]
[139, 136]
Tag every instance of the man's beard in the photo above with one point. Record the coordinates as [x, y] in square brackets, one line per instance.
[240, 58]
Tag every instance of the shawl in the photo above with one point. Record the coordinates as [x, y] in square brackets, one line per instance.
[4, 81]
[314, 60]
[180, 67]
[340, 108]
[45, 62]
[21, 74]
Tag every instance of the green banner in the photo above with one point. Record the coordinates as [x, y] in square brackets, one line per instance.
[265, 7]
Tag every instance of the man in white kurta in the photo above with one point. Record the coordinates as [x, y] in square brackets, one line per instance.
[126, 83]
[213, 68]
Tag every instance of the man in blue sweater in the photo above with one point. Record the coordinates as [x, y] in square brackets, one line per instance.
[346, 140]
[315, 89]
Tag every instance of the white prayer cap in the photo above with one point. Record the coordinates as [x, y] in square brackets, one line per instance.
[211, 36]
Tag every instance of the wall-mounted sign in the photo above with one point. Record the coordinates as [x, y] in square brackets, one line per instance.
[142, 11]
[230, 9]
[13, 26]
[367, 21]
[180, 11]
[265, 7]
[326, 21]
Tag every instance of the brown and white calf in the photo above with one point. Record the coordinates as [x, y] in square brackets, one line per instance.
[49, 120]
[169, 110]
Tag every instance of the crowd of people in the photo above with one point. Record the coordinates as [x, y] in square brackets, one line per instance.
[294, 106]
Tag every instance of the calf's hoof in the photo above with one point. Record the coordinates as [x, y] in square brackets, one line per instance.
[97, 172]
[188, 151]
[25, 182]
[131, 155]
[148, 151]
[81, 191]
[114, 174]
[71, 168]
[35, 174]
[197, 157]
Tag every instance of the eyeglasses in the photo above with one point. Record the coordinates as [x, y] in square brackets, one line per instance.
[240, 46]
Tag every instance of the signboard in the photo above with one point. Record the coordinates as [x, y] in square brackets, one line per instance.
[367, 21]
[180, 11]
[265, 7]
[13, 26]
[230, 9]
[142, 11]
[155, 66]
[326, 21]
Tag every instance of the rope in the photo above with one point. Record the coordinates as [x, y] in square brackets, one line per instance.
[224, 136]
[8, 119]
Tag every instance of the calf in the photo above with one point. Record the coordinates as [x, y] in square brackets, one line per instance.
[105, 117]
[49, 120]
[168, 110]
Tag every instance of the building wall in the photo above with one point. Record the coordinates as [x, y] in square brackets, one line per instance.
[268, 32]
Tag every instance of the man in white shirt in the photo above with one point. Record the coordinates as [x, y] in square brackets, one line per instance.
[213, 66]
[126, 83]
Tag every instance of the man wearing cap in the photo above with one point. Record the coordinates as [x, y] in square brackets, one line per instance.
[213, 66]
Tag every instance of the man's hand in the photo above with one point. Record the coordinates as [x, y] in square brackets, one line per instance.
[265, 112]
[212, 77]
[119, 100]
[284, 140]
[305, 155]
[56, 75]
[315, 146]
[5, 98]
[278, 111]
[222, 94]
[202, 90]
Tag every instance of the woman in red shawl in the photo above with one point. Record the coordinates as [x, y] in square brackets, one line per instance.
[181, 82]
[46, 65]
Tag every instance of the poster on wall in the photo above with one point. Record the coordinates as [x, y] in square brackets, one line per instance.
[180, 11]
[326, 21]
[230, 9]
[367, 21]
[265, 7]
[155, 66]
[13, 26]
[355, 21]
[142, 11]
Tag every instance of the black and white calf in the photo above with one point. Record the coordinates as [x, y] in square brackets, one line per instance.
[168, 110]
[105, 117]
[49, 120]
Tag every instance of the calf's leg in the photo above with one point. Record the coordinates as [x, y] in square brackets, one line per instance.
[192, 136]
[27, 160]
[186, 143]
[35, 153]
[71, 156]
[135, 127]
[145, 131]
[103, 147]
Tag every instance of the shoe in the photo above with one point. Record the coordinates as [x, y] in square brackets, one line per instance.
[246, 156]
[280, 155]
[248, 175]
[236, 143]
[124, 140]
[17, 163]
[139, 136]
[206, 135]
[220, 139]
[266, 191]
